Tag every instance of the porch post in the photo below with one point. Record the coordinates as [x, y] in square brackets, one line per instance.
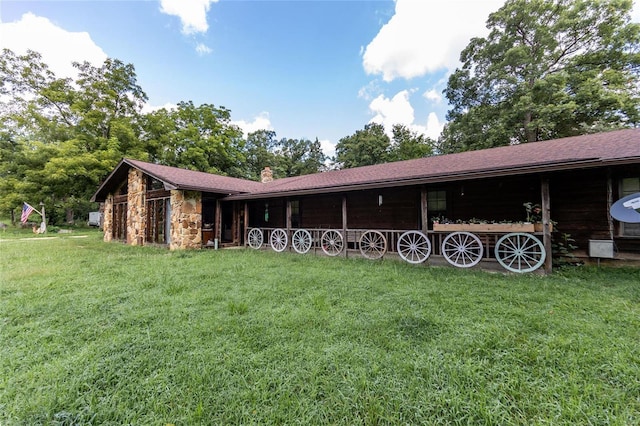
[288, 224]
[423, 209]
[344, 224]
[546, 222]
[246, 222]
[217, 232]
[610, 202]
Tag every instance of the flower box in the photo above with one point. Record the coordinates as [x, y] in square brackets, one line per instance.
[485, 227]
[540, 228]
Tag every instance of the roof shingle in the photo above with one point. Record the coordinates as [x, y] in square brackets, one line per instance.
[621, 146]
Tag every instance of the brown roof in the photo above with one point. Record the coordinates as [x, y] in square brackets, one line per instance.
[600, 149]
[616, 147]
[176, 178]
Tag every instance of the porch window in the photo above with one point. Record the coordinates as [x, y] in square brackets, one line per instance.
[295, 213]
[436, 203]
[629, 186]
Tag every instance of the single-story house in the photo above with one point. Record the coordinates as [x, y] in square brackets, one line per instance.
[441, 205]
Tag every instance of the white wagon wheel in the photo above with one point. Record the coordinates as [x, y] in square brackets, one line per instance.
[520, 252]
[255, 238]
[278, 239]
[373, 244]
[462, 249]
[331, 242]
[414, 247]
[301, 241]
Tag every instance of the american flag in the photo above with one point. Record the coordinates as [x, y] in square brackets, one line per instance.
[26, 211]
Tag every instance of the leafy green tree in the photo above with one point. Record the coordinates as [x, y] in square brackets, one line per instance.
[407, 144]
[365, 147]
[547, 69]
[260, 150]
[66, 135]
[295, 157]
[195, 137]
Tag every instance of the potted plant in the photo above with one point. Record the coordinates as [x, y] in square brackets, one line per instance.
[534, 215]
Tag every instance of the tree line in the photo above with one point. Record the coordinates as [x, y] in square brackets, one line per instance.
[59, 138]
[547, 69]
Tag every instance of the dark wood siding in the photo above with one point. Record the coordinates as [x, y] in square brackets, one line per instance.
[579, 204]
[492, 199]
[400, 209]
[321, 211]
[276, 218]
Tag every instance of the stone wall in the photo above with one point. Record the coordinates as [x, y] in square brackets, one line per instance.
[107, 218]
[186, 220]
[136, 205]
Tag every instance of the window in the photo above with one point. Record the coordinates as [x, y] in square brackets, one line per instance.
[629, 186]
[156, 221]
[437, 202]
[295, 214]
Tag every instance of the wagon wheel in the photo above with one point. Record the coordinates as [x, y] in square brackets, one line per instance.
[373, 244]
[301, 241]
[414, 247]
[331, 242]
[462, 249]
[520, 252]
[255, 238]
[278, 240]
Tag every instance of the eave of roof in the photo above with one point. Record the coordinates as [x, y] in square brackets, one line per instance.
[174, 178]
[586, 151]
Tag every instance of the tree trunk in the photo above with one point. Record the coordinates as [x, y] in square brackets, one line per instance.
[69, 216]
[529, 133]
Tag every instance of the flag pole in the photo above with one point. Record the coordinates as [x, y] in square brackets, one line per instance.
[43, 225]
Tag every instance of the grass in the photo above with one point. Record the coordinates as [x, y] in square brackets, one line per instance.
[96, 333]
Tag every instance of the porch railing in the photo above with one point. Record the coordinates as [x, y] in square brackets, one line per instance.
[515, 251]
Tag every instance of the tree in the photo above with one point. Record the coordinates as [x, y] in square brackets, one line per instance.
[408, 144]
[547, 69]
[296, 157]
[64, 136]
[365, 147]
[259, 152]
[195, 137]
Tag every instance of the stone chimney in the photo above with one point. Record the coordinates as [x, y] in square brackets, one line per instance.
[266, 175]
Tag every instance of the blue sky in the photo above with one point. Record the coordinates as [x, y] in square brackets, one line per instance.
[302, 68]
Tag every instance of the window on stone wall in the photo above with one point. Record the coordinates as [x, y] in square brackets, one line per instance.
[154, 184]
[119, 224]
[156, 221]
[629, 186]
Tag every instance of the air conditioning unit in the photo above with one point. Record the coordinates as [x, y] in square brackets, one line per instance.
[601, 249]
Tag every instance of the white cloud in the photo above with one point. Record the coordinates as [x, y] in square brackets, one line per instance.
[434, 126]
[202, 49]
[147, 108]
[59, 48]
[328, 147]
[398, 110]
[260, 122]
[371, 90]
[635, 12]
[432, 95]
[192, 13]
[426, 36]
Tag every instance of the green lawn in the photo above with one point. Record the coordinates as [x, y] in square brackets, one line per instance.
[108, 334]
